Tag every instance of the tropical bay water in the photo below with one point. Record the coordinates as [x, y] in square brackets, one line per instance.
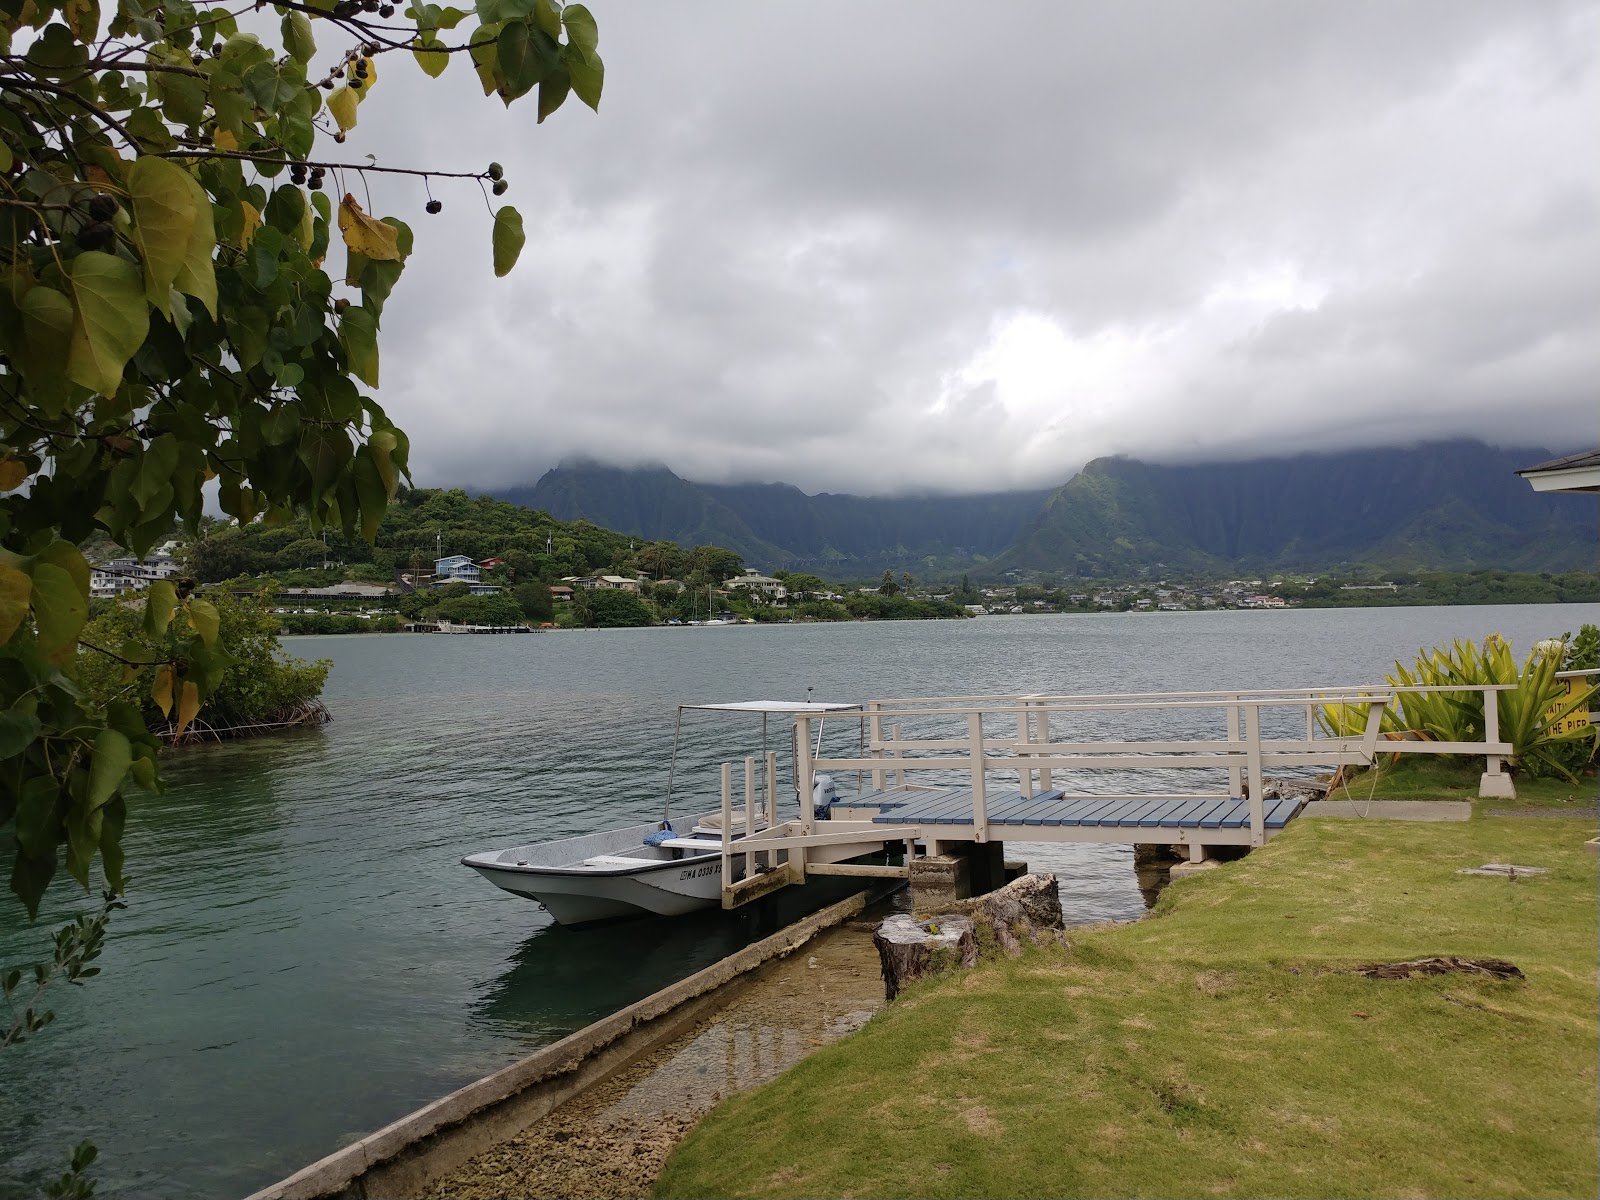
[304, 960]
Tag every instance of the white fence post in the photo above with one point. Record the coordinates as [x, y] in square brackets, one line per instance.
[749, 814]
[875, 733]
[772, 791]
[1258, 784]
[1024, 737]
[802, 781]
[980, 802]
[1235, 780]
[899, 772]
[1496, 780]
[1046, 779]
[727, 821]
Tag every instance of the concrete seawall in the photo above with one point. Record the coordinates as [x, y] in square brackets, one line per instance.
[408, 1156]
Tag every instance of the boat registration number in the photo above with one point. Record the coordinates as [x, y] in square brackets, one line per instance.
[697, 872]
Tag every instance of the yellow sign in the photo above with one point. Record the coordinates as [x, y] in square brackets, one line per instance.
[1578, 718]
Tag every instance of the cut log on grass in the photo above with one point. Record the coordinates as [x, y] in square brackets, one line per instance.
[911, 947]
[1496, 967]
[1029, 907]
[908, 948]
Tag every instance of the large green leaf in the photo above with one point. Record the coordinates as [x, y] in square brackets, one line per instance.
[164, 213]
[527, 57]
[112, 758]
[298, 41]
[59, 609]
[197, 276]
[430, 54]
[553, 89]
[16, 593]
[581, 29]
[203, 616]
[358, 330]
[588, 75]
[110, 319]
[508, 239]
[17, 731]
[160, 602]
[44, 346]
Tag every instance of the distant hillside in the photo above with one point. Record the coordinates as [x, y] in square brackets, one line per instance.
[776, 524]
[1449, 505]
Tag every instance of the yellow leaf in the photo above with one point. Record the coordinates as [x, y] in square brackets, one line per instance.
[163, 216]
[308, 228]
[252, 222]
[365, 236]
[342, 104]
[16, 590]
[12, 473]
[188, 704]
[223, 139]
[161, 693]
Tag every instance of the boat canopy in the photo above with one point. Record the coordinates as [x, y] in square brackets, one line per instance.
[774, 706]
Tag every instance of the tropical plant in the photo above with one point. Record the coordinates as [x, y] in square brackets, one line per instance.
[166, 319]
[1531, 713]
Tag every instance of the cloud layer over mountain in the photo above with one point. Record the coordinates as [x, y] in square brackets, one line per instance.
[899, 247]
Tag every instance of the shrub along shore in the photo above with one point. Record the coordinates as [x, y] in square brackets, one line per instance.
[1223, 1046]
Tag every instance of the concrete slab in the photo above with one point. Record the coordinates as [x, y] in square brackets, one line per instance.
[1184, 869]
[1392, 810]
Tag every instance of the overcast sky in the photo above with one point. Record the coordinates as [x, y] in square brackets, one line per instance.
[891, 247]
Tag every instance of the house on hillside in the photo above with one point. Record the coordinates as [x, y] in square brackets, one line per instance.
[458, 568]
[120, 575]
[620, 583]
[561, 593]
[753, 581]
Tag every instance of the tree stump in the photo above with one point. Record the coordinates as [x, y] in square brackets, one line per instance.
[911, 947]
[1027, 907]
[908, 948]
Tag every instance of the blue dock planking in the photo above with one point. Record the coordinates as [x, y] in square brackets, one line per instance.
[953, 806]
[1134, 814]
[1019, 814]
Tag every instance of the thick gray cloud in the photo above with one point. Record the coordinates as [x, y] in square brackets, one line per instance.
[923, 246]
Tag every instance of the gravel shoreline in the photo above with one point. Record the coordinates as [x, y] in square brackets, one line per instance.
[612, 1141]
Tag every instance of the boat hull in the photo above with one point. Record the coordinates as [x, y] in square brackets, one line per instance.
[560, 876]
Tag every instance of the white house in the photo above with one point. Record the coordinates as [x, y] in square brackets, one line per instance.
[753, 581]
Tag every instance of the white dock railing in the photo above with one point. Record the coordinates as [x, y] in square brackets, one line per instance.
[967, 740]
[1245, 733]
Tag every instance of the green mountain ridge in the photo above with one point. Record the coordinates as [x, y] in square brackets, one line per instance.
[1447, 505]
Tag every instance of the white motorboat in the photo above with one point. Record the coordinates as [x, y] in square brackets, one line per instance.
[649, 868]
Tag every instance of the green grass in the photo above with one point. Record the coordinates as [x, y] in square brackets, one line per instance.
[1220, 1048]
[1420, 777]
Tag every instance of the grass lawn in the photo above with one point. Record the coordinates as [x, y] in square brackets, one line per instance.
[1423, 777]
[1220, 1048]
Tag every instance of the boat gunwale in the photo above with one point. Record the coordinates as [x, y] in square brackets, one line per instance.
[585, 872]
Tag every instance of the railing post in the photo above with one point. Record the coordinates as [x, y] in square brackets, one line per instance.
[772, 791]
[1046, 779]
[802, 768]
[899, 772]
[1024, 737]
[727, 821]
[980, 802]
[875, 733]
[1496, 780]
[1258, 784]
[749, 814]
[1235, 780]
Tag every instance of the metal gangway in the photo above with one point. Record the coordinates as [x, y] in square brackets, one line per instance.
[988, 768]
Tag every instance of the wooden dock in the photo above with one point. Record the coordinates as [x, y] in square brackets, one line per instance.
[933, 774]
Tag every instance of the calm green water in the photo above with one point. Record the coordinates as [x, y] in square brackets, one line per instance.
[304, 959]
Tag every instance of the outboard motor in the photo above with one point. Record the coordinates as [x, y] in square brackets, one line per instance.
[823, 797]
